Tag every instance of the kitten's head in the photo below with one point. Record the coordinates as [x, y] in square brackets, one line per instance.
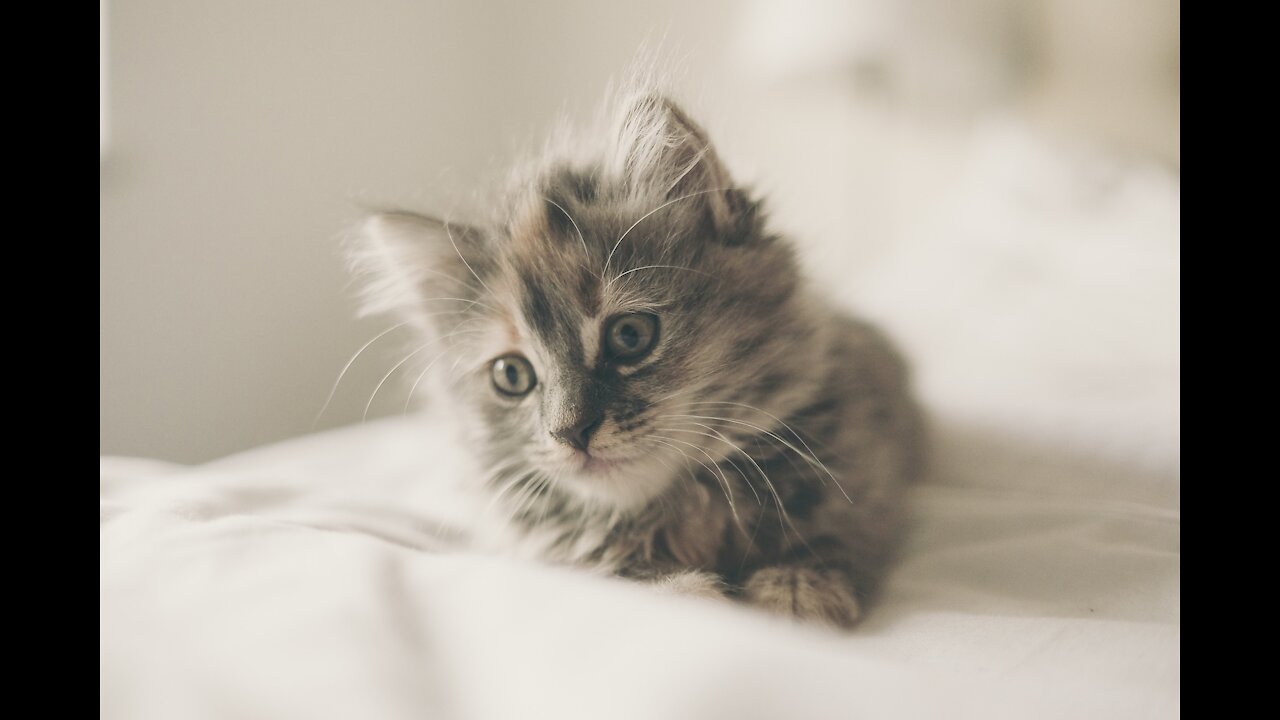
[591, 331]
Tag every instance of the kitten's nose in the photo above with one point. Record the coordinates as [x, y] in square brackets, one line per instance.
[578, 435]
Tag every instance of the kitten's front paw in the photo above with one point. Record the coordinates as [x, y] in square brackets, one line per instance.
[692, 583]
[806, 594]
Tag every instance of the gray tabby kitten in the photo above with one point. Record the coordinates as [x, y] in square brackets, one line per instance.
[655, 390]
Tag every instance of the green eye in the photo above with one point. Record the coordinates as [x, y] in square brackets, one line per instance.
[631, 337]
[513, 375]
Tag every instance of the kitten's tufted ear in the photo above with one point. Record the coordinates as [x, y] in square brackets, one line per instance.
[414, 266]
[662, 151]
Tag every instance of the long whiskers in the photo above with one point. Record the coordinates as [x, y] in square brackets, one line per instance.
[408, 400]
[717, 473]
[808, 457]
[784, 518]
[581, 239]
[536, 485]
[621, 275]
[666, 442]
[624, 234]
[333, 391]
[721, 437]
[547, 490]
[506, 487]
[365, 416]
[449, 233]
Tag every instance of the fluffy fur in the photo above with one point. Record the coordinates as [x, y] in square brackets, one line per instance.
[759, 451]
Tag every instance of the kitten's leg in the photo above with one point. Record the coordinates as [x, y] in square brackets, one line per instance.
[807, 593]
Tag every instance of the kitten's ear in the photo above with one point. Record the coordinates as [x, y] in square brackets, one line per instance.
[414, 266]
[661, 149]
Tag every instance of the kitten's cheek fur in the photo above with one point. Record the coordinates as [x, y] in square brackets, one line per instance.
[804, 594]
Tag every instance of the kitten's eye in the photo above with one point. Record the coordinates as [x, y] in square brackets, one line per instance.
[631, 337]
[513, 375]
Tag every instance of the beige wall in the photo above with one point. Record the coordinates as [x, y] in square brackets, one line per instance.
[243, 132]
[243, 135]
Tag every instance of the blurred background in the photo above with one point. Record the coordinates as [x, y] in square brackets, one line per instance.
[997, 181]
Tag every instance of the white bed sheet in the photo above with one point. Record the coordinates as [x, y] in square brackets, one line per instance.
[304, 580]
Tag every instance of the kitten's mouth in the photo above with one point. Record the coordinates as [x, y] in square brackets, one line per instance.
[589, 464]
[596, 464]
[618, 481]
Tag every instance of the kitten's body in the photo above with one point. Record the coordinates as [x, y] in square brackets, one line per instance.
[759, 446]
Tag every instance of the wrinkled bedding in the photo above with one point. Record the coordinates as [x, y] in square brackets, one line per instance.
[319, 579]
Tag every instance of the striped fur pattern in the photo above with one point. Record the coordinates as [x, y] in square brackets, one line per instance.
[758, 452]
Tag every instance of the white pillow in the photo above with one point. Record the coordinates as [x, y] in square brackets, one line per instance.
[1041, 300]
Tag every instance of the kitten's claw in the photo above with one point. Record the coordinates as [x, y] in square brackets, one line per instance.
[805, 594]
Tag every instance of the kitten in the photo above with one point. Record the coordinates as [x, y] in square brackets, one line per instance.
[655, 390]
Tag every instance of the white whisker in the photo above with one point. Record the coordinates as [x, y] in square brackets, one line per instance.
[515, 480]
[345, 368]
[721, 437]
[365, 416]
[650, 267]
[807, 457]
[409, 398]
[581, 239]
[784, 518]
[712, 469]
[624, 234]
[449, 233]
